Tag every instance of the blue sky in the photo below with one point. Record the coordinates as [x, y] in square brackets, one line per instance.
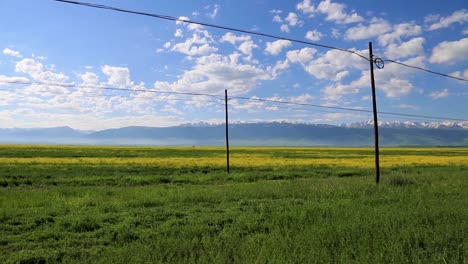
[52, 42]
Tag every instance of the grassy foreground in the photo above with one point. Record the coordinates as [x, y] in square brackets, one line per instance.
[279, 205]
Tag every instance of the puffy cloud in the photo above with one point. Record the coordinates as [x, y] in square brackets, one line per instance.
[461, 74]
[439, 94]
[178, 33]
[194, 27]
[233, 39]
[245, 47]
[195, 46]
[11, 52]
[460, 16]
[277, 19]
[279, 66]
[396, 87]
[449, 52]
[89, 78]
[302, 56]
[391, 80]
[341, 75]
[214, 73]
[37, 71]
[329, 66]
[118, 76]
[276, 47]
[285, 28]
[181, 20]
[336, 12]
[276, 11]
[376, 28]
[29, 66]
[313, 35]
[306, 7]
[399, 31]
[410, 48]
[392, 87]
[293, 20]
[8, 79]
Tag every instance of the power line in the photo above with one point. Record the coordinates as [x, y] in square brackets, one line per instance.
[301, 104]
[70, 85]
[345, 108]
[211, 25]
[426, 70]
[295, 109]
[87, 95]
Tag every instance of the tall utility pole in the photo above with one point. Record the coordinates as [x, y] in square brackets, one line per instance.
[374, 107]
[227, 130]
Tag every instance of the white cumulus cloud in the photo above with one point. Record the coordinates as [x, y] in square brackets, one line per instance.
[181, 20]
[410, 48]
[328, 66]
[336, 12]
[293, 19]
[302, 56]
[11, 52]
[118, 76]
[450, 51]
[376, 28]
[285, 28]
[313, 35]
[246, 45]
[214, 73]
[89, 78]
[37, 71]
[195, 46]
[460, 16]
[233, 39]
[399, 31]
[277, 19]
[178, 33]
[8, 79]
[275, 47]
[461, 74]
[439, 94]
[306, 7]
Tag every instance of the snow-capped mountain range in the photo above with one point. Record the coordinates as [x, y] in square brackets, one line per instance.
[410, 124]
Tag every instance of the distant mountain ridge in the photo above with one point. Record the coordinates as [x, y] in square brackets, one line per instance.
[266, 134]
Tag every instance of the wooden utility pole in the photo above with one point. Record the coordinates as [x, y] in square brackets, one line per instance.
[374, 108]
[227, 130]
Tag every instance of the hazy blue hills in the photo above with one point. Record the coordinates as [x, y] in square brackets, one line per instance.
[255, 134]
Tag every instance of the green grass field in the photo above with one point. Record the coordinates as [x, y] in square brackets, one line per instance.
[279, 205]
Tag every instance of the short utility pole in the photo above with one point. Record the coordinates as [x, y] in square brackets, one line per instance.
[227, 130]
